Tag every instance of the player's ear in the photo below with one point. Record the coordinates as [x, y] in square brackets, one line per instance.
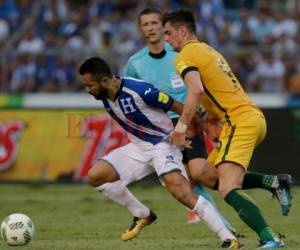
[182, 30]
[105, 81]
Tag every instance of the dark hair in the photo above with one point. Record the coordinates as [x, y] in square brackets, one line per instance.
[180, 17]
[95, 66]
[150, 10]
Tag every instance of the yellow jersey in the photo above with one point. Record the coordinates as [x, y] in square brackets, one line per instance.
[223, 94]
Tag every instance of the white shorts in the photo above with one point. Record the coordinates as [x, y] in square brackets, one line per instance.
[133, 163]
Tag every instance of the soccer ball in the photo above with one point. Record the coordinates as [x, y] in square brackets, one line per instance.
[17, 229]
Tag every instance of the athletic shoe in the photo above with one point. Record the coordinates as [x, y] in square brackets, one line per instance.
[192, 217]
[137, 225]
[283, 192]
[271, 244]
[232, 244]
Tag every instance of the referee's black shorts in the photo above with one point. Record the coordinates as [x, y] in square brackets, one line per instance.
[198, 149]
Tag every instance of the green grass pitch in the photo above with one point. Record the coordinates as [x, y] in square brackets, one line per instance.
[76, 217]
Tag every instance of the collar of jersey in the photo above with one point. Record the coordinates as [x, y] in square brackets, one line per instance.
[191, 41]
[158, 55]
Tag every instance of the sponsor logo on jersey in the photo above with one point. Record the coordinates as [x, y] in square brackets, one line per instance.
[170, 159]
[181, 66]
[147, 91]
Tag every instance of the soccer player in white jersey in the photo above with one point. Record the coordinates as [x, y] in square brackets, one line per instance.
[140, 109]
[154, 64]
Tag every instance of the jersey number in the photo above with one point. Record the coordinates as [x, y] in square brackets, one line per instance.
[226, 69]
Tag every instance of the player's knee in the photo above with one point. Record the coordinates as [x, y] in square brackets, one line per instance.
[95, 178]
[224, 190]
[226, 185]
[102, 173]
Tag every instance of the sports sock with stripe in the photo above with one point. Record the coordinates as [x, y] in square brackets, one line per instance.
[249, 213]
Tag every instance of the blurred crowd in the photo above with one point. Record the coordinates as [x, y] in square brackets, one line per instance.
[42, 42]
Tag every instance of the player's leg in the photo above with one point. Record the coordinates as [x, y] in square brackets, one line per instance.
[230, 181]
[118, 192]
[180, 189]
[195, 158]
[167, 164]
[102, 172]
[206, 175]
[110, 176]
[142, 215]
[192, 158]
[234, 153]
[198, 164]
[199, 189]
[192, 216]
[279, 185]
[105, 178]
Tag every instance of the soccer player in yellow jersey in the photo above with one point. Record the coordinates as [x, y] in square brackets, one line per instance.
[210, 82]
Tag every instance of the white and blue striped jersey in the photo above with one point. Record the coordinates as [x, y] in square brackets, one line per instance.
[140, 109]
[158, 70]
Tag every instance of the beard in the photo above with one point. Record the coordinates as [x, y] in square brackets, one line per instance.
[101, 95]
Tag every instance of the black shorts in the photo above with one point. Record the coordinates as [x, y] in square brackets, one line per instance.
[198, 149]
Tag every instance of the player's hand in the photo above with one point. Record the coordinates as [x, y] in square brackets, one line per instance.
[191, 131]
[179, 139]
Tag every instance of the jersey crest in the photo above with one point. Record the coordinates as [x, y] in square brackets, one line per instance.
[127, 105]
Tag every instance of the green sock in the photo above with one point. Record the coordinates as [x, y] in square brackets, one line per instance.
[258, 180]
[249, 213]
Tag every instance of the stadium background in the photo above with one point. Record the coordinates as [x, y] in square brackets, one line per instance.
[51, 132]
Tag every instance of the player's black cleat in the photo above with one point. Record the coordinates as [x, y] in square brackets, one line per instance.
[283, 192]
[137, 225]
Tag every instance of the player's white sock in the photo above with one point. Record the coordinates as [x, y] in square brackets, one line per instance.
[119, 193]
[207, 212]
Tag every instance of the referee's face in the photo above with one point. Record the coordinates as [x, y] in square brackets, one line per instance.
[151, 27]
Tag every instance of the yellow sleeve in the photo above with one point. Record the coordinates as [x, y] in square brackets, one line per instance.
[193, 57]
[183, 62]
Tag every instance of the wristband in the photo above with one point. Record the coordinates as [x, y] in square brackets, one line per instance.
[180, 127]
